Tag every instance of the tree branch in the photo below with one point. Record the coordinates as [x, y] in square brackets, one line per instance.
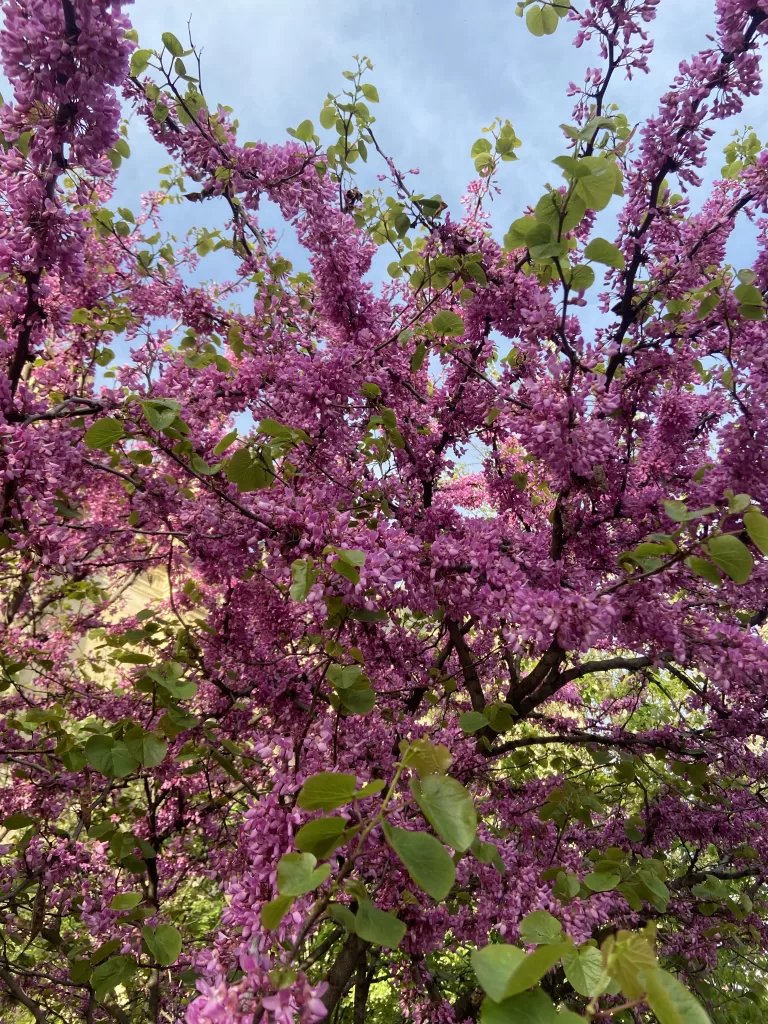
[585, 738]
[345, 965]
[524, 695]
[607, 665]
[468, 668]
[20, 996]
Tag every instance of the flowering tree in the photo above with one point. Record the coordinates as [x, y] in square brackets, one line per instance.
[390, 741]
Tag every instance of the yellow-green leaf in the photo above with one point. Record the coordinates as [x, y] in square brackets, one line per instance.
[757, 527]
[732, 556]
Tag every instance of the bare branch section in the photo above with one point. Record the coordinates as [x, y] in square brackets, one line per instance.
[19, 996]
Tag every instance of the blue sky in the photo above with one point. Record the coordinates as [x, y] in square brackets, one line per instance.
[443, 70]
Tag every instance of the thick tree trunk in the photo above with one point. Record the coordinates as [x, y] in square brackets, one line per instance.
[362, 988]
[347, 962]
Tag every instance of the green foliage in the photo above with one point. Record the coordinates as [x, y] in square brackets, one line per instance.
[526, 1008]
[304, 575]
[540, 927]
[504, 971]
[297, 874]
[163, 942]
[756, 525]
[15, 821]
[671, 1001]
[583, 969]
[732, 556]
[740, 153]
[581, 277]
[426, 860]
[272, 913]
[449, 809]
[378, 927]
[425, 757]
[602, 251]
[110, 757]
[701, 567]
[126, 901]
[104, 433]
[321, 836]
[108, 975]
[250, 469]
[473, 721]
[447, 323]
[541, 20]
[326, 791]
[625, 963]
[172, 44]
[140, 61]
[160, 414]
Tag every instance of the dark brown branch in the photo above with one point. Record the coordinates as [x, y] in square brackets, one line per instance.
[69, 407]
[18, 995]
[138, 484]
[346, 964]
[467, 1006]
[362, 988]
[530, 691]
[33, 314]
[468, 668]
[606, 665]
[70, 22]
[558, 528]
[628, 309]
[417, 694]
[697, 877]
[116, 1013]
[425, 979]
[627, 742]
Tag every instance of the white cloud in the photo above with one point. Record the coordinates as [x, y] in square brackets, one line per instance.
[443, 70]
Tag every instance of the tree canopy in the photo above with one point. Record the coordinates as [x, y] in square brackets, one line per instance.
[371, 651]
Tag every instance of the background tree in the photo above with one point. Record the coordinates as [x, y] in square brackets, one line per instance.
[380, 739]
